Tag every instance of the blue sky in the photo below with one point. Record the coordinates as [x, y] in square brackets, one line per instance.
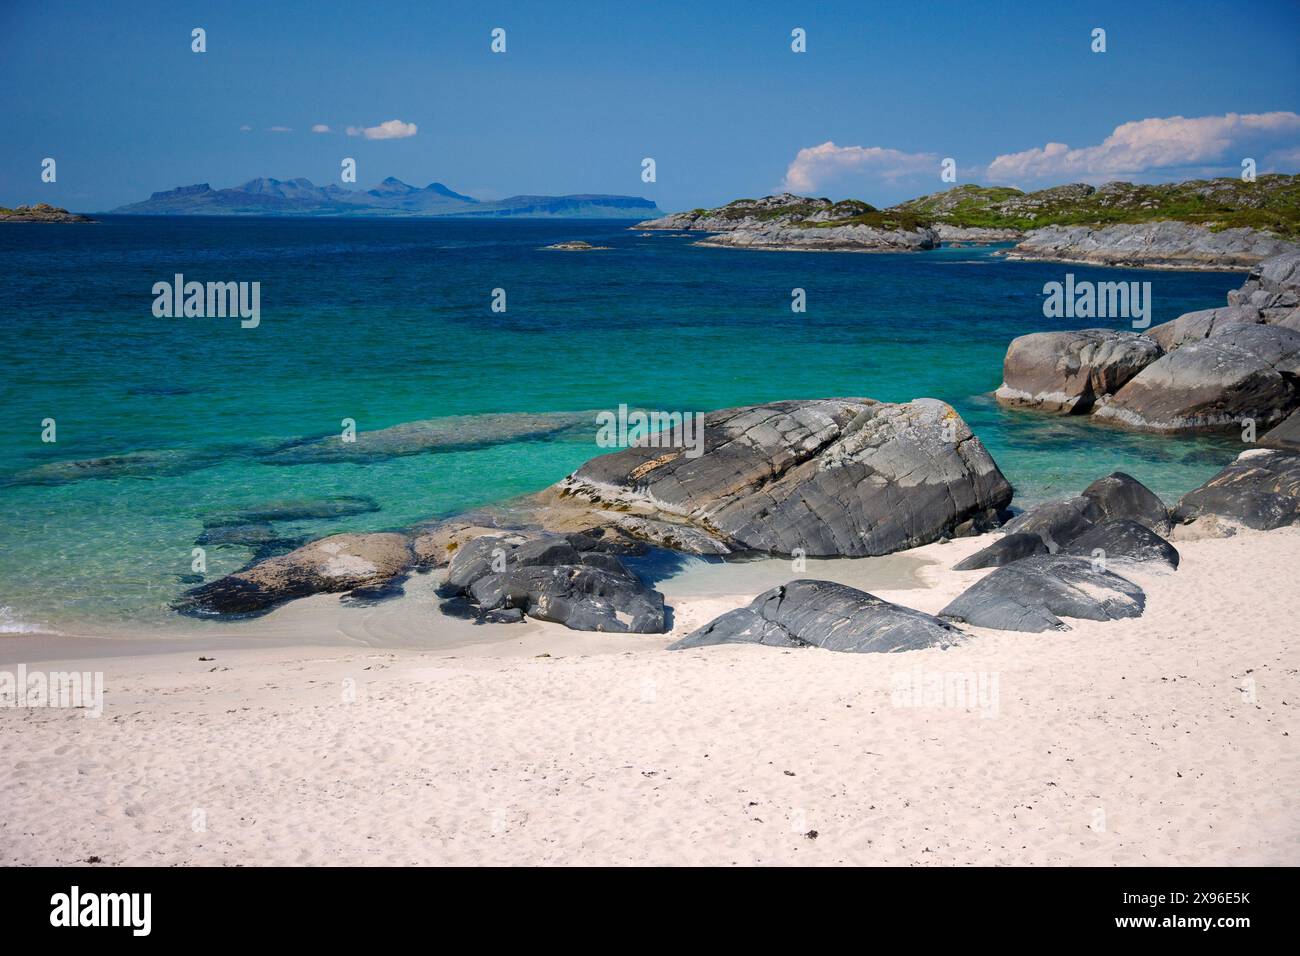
[585, 90]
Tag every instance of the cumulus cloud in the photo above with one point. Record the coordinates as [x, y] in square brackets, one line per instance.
[1149, 144]
[392, 129]
[320, 128]
[813, 165]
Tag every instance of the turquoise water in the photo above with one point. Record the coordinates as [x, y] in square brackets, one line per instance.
[390, 321]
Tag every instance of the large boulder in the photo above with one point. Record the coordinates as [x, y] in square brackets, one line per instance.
[1122, 496]
[569, 579]
[1050, 526]
[1006, 549]
[1239, 372]
[341, 562]
[1030, 594]
[830, 477]
[1122, 541]
[1194, 326]
[1260, 490]
[1056, 522]
[1070, 371]
[827, 615]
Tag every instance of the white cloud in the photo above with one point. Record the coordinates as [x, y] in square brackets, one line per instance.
[392, 129]
[813, 165]
[279, 129]
[245, 128]
[320, 128]
[1149, 144]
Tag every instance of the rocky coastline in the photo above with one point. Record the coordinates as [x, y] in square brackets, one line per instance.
[40, 212]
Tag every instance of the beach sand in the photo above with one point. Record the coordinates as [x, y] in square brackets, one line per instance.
[403, 737]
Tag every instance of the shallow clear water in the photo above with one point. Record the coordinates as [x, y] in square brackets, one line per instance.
[390, 321]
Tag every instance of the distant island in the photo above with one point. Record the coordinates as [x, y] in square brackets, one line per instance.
[41, 212]
[392, 197]
[1200, 224]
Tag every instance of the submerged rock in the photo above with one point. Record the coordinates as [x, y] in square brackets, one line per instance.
[302, 509]
[341, 562]
[1034, 593]
[1260, 490]
[827, 477]
[452, 433]
[1070, 371]
[568, 579]
[824, 614]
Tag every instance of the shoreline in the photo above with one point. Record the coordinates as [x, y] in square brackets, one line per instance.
[1162, 740]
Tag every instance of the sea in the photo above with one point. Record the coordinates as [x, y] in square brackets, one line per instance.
[381, 322]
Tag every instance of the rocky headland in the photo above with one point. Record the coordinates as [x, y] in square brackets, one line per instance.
[1219, 224]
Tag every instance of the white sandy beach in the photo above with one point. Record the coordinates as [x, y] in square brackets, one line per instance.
[1170, 739]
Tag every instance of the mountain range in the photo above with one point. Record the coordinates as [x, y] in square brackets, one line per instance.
[392, 197]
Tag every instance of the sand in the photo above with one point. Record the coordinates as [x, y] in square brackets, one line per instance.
[1170, 739]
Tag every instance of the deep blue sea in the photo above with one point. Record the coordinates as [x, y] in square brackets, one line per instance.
[390, 321]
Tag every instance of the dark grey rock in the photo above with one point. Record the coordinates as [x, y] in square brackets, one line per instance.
[1260, 490]
[1122, 496]
[1122, 541]
[827, 615]
[1030, 594]
[830, 477]
[1057, 522]
[585, 587]
[1008, 548]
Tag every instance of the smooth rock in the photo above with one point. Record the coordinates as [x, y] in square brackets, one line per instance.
[1260, 490]
[1239, 372]
[1008, 548]
[1122, 496]
[1069, 371]
[1194, 326]
[1285, 436]
[1120, 540]
[824, 614]
[1030, 594]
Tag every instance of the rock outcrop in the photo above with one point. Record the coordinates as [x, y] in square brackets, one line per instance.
[1242, 371]
[1033, 594]
[824, 614]
[1285, 436]
[568, 579]
[1260, 490]
[1057, 526]
[1153, 245]
[796, 223]
[1206, 370]
[341, 562]
[830, 477]
[1070, 371]
[1121, 541]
